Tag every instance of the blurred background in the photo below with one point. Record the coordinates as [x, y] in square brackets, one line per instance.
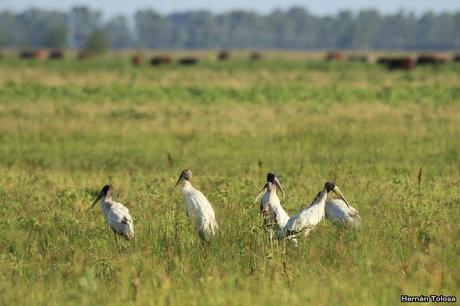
[132, 92]
[205, 24]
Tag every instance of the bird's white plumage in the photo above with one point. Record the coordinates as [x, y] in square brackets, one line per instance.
[305, 220]
[263, 203]
[199, 210]
[118, 218]
[277, 216]
[272, 204]
[342, 215]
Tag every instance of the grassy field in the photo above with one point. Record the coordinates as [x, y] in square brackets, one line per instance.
[67, 128]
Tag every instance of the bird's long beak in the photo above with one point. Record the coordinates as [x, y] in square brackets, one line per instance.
[97, 199]
[177, 183]
[340, 194]
[278, 185]
[261, 192]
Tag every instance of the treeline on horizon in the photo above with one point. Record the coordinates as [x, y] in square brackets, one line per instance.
[295, 28]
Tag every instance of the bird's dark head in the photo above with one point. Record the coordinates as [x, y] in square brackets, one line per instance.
[272, 184]
[329, 186]
[106, 192]
[185, 175]
[106, 189]
[272, 178]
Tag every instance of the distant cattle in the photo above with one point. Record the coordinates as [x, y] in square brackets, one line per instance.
[398, 63]
[188, 60]
[358, 58]
[255, 56]
[456, 58]
[137, 59]
[32, 54]
[335, 56]
[431, 59]
[223, 55]
[85, 54]
[56, 54]
[160, 60]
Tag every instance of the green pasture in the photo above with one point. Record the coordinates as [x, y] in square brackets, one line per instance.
[390, 140]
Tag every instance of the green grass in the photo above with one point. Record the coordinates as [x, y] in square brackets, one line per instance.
[67, 128]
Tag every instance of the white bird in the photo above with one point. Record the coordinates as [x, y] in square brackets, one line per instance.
[270, 205]
[339, 213]
[116, 214]
[264, 194]
[197, 207]
[305, 220]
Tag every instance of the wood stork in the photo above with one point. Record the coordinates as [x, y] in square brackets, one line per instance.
[197, 207]
[264, 193]
[270, 205]
[341, 214]
[305, 220]
[116, 214]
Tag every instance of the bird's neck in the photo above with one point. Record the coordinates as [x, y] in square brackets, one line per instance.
[323, 197]
[320, 198]
[274, 201]
[186, 187]
[272, 194]
[106, 201]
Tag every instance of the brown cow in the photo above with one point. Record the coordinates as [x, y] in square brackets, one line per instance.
[431, 59]
[40, 54]
[160, 60]
[56, 54]
[397, 63]
[137, 59]
[26, 54]
[223, 55]
[255, 56]
[335, 56]
[189, 60]
[32, 54]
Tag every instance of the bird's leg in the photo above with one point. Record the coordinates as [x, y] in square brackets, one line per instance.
[134, 243]
[189, 220]
[265, 223]
[284, 246]
[270, 231]
[340, 232]
[116, 238]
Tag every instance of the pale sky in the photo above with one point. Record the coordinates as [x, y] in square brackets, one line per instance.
[128, 7]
